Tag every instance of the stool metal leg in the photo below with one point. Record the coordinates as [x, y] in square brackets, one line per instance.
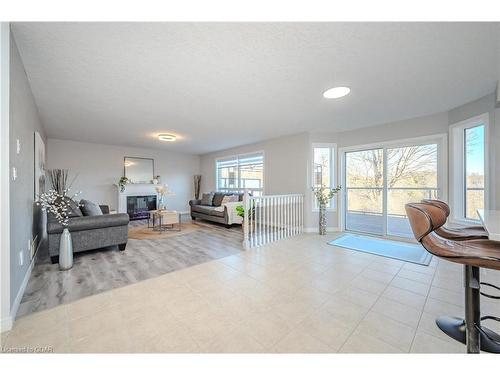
[466, 330]
[472, 309]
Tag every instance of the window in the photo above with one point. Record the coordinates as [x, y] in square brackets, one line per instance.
[240, 172]
[323, 169]
[473, 171]
[468, 154]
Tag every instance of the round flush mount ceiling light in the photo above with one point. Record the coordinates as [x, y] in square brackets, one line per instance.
[167, 137]
[336, 92]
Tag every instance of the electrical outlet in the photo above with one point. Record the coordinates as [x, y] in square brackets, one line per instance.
[21, 258]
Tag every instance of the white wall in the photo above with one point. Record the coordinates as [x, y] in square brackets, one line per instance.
[5, 318]
[100, 166]
[25, 216]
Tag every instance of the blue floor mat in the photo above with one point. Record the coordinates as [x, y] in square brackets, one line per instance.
[414, 253]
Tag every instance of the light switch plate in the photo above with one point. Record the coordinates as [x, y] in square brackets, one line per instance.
[21, 258]
[14, 173]
[18, 146]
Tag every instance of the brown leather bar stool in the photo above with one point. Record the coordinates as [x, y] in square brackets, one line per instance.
[425, 218]
[462, 233]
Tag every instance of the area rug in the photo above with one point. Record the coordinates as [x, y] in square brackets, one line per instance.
[408, 252]
[142, 232]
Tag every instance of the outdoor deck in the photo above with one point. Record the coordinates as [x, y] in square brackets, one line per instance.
[374, 223]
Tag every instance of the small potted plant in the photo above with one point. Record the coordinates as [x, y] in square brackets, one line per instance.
[323, 196]
[240, 210]
[122, 182]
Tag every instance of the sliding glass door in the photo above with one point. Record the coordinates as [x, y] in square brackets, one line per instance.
[364, 191]
[380, 181]
[412, 175]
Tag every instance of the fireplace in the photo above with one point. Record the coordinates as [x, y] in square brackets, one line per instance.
[139, 205]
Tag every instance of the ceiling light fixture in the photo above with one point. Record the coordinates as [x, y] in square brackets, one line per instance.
[167, 137]
[336, 92]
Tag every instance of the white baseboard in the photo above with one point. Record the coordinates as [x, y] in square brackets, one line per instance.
[9, 320]
[6, 324]
[315, 230]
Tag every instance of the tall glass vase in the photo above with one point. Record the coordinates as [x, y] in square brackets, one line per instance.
[65, 251]
[322, 219]
[161, 203]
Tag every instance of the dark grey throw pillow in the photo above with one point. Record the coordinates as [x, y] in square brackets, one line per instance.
[218, 199]
[207, 198]
[75, 209]
[90, 208]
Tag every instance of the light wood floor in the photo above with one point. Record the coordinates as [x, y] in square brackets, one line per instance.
[299, 295]
[101, 270]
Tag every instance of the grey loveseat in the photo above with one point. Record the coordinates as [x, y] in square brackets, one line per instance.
[208, 212]
[90, 232]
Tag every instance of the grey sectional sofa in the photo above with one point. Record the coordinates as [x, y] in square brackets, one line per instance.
[208, 212]
[90, 232]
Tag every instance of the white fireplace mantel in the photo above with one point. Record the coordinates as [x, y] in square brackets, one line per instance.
[132, 190]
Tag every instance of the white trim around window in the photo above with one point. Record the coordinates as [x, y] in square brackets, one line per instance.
[333, 173]
[457, 158]
[237, 159]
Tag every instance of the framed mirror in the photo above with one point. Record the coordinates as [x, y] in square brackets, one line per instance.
[139, 170]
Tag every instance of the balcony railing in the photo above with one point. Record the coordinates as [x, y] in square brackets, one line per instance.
[270, 218]
[371, 219]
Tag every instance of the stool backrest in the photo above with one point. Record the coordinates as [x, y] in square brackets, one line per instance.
[424, 218]
[436, 202]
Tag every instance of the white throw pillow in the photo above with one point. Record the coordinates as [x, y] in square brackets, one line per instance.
[229, 198]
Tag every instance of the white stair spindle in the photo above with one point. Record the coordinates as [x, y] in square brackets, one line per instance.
[264, 220]
[272, 219]
[275, 209]
[288, 215]
[280, 218]
[294, 215]
[261, 226]
[300, 214]
[267, 221]
[251, 221]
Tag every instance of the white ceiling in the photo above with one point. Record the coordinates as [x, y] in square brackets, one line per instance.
[218, 85]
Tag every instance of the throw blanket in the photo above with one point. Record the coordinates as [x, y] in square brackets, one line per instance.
[233, 217]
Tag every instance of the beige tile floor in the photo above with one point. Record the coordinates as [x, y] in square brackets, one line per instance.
[299, 295]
